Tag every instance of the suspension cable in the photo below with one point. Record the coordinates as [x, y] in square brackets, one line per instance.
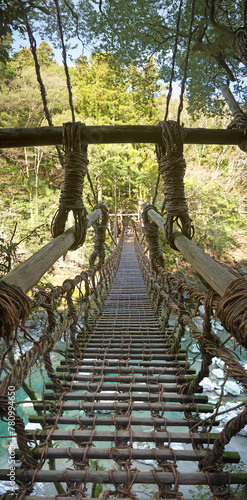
[169, 94]
[180, 107]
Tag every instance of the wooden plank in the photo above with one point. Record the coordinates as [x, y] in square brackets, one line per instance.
[115, 405]
[123, 354]
[125, 454]
[159, 379]
[45, 136]
[215, 275]
[34, 497]
[125, 396]
[120, 477]
[28, 273]
[93, 387]
[109, 420]
[102, 368]
[159, 436]
[112, 361]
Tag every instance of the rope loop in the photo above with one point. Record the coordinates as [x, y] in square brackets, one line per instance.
[172, 168]
[232, 310]
[152, 235]
[240, 40]
[75, 164]
[100, 236]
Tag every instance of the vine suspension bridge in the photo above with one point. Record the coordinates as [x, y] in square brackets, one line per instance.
[125, 394]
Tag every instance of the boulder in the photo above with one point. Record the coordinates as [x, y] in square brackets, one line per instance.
[207, 384]
[233, 388]
[217, 372]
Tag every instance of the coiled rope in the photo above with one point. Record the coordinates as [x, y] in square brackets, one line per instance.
[172, 168]
[75, 164]
[152, 235]
[100, 237]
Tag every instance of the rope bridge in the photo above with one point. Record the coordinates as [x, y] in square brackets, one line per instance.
[125, 391]
[125, 407]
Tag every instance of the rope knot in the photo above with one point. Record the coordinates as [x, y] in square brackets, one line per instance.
[100, 237]
[75, 165]
[152, 235]
[172, 168]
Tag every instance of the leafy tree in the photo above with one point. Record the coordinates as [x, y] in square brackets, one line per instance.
[23, 58]
[136, 30]
[45, 54]
[12, 17]
[106, 92]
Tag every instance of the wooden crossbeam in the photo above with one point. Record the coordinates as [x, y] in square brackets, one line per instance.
[45, 136]
[120, 477]
[217, 277]
[28, 273]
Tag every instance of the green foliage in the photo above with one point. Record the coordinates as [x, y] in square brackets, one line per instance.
[45, 54]
[107, 93]
[12, 17]
[135, 30]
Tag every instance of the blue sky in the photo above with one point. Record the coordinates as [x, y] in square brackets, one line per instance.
[72, 55]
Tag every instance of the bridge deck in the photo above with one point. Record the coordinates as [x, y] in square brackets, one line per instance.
[122, 422]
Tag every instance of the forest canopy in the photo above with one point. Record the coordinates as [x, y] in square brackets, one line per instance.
[135, 31]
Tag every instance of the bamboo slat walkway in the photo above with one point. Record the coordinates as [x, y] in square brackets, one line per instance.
[127, 423]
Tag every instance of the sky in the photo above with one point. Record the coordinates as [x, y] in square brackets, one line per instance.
[72, 55]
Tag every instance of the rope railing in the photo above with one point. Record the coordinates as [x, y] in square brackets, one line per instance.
[168, 293]
[93, 286]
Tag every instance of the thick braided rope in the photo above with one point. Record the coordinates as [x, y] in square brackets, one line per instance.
[232, 310]
[152, 235]
[15, 308]
[75, 164]
[172, 168]
[100, 237]
[240, 44]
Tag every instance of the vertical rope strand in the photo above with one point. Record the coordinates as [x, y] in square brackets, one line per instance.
[33, 48]
[65, 60]
[180, 107]
[169, 94]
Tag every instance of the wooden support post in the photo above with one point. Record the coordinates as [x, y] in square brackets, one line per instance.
[45, 136]
[28, 273]
[215, 275]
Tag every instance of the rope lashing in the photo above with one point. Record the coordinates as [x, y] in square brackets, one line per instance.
[240, 44]
[15, 308]
[75, 164]
[172, 169]
[240, 122]
[152, 235]
[232, 310]
[100, 236]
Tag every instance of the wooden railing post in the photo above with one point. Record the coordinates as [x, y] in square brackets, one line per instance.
[28, 273]
[215, 275]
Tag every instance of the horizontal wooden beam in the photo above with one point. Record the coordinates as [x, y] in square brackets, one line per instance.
[28, 273]
[120, 477]
[45, 136]
[215, 275]
[127, 453]
[113, 421]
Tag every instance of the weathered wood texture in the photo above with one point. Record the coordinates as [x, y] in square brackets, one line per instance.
[215, 275]
[125, 454]
[28, 273]
[120, 477]
[45, 136]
